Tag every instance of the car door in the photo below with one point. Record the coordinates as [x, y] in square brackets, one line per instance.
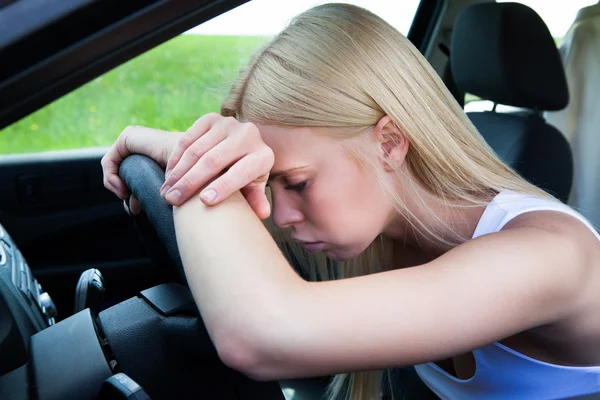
[52, 200]
[73, 74]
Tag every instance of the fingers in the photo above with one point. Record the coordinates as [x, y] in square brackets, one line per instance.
[193, 134]
[134, 205]
[150, 142]
[206, 150]
[257, 199]
[110, 165]
[209, 166]
[247, 171]
[126, 207]
[211, 141]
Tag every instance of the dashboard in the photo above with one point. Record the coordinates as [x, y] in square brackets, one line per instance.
[25, 308]
[156, 337]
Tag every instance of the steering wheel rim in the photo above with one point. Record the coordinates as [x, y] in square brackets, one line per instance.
[144, 178]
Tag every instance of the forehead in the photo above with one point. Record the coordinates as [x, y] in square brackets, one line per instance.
[280, 134]
[307, 149]
[295, 142]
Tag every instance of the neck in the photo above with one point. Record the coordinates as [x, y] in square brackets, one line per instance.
[455, 221]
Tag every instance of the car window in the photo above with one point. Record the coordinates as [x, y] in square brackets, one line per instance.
[173, 84]
[558, 16]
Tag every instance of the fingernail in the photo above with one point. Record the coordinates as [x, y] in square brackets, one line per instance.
[208, 195]
[167, 174]
[173, 196]
[165, 190]
[127, 210]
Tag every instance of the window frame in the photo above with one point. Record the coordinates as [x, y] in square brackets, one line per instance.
[92, 54]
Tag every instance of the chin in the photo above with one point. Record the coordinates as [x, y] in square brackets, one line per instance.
[334, 256]
[343, 254]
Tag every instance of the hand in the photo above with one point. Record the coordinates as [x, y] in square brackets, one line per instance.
[154, 143]
[224, 154]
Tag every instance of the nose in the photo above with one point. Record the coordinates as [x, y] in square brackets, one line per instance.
[285, 212]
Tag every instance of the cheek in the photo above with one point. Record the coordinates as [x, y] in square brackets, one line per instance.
[350, 208]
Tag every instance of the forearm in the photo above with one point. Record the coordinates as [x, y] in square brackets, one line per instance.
[237, 274]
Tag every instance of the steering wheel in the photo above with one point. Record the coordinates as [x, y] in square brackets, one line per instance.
[144, 178]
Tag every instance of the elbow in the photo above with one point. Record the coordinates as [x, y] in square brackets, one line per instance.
[259, 342]
[246, 354]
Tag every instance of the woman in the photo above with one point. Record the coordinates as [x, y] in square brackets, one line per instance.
[372, 163]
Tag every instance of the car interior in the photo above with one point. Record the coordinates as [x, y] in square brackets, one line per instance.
[93, 301]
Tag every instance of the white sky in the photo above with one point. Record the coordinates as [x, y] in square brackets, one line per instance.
[268, 17]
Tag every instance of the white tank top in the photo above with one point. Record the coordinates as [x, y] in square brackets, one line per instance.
[503, 373]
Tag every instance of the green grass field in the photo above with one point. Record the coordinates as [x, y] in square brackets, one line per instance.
[167, 88]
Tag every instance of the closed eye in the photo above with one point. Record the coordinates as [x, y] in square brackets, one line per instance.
[296, 188]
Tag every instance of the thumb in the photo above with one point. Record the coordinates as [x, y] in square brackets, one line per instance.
[134, 205]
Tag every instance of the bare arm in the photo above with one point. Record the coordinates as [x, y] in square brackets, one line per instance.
[270, 324]
[236, 272]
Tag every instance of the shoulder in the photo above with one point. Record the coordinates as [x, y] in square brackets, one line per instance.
[556, 247]
[550, 254]
[553, 227]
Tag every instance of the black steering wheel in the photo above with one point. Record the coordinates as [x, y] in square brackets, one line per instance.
[144, 177]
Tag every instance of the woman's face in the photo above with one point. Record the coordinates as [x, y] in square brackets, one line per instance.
[330, 202]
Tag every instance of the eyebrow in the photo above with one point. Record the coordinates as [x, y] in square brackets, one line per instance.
[277, 174]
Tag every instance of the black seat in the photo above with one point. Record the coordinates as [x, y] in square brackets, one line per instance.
[503, 52]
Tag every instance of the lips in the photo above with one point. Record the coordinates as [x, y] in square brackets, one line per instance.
[312, 246]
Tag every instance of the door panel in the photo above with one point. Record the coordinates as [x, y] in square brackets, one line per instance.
[56, 209]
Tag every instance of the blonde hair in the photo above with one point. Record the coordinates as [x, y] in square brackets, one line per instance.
[341, 66]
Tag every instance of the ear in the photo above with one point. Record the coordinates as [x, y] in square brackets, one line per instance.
[392, 142]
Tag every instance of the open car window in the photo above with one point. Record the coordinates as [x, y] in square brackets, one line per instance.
[171, 85]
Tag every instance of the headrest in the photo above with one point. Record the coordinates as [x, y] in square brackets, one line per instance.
[505, 53]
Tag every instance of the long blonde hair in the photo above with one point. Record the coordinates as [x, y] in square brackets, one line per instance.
[341, 66]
